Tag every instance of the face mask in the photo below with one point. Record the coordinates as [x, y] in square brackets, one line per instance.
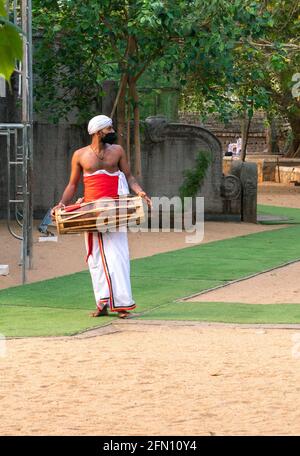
[110, 138]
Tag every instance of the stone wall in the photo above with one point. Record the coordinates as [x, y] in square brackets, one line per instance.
[168, 149]
[171, 148]
[229, 133]
[270, 168]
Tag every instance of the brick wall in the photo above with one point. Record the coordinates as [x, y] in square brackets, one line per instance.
[228, 133]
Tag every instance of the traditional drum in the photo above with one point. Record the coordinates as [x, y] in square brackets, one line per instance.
[101, 215]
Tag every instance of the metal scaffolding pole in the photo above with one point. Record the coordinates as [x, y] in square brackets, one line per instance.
[19, 143]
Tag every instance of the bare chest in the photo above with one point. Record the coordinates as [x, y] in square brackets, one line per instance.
[107, 160]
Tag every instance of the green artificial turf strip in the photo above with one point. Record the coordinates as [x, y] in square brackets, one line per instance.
[75, 292]
[72, 291]
[150, 292]
[228, 259]
[292, 214]
[227, 312]
[34, 321]
[159, 280]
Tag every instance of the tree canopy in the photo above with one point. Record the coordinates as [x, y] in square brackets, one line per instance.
[227, 55]
[263, 72]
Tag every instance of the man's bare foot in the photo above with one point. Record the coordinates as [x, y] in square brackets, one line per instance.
[99, 313]
[124, 314]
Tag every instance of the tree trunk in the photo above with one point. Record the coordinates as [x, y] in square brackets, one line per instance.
[137, 142]
[245, 135]
[272, 138]
[120, 102]
[128, 138]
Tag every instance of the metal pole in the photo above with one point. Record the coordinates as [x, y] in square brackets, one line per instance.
[30, 135]
[11, 125]
[15, 12]
[30, 75]
[27, 134]
[10, 200]
[24, 63]
[25, 210]
[18, 184]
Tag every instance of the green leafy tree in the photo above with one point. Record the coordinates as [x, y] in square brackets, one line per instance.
[278, 56]
[263, 61]
[80, 44]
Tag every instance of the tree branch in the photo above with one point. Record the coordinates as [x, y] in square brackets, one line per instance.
[149, 61]
[270, 45]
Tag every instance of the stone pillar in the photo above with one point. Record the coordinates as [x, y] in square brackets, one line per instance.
[247, 172]
[231, 192]
[271, 135]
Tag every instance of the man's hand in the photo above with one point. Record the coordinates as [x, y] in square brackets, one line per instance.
[146, 198]
[55, 208]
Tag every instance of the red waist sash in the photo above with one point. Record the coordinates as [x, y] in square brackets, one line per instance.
[100, 186]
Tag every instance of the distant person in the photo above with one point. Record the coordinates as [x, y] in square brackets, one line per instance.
[228, 153]
[43, 227]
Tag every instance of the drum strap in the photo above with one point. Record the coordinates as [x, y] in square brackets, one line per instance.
[73, 207]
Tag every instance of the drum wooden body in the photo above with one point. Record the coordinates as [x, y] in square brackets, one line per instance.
[100, 215]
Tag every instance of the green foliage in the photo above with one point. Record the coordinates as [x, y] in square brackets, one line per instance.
[194, 177]
[81, 44]
[68, 48]
[257, 73]
[78, 45]
[228, 56]
[10, 44]
[2, 9]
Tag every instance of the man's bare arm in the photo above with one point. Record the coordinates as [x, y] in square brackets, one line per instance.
[71, 188]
